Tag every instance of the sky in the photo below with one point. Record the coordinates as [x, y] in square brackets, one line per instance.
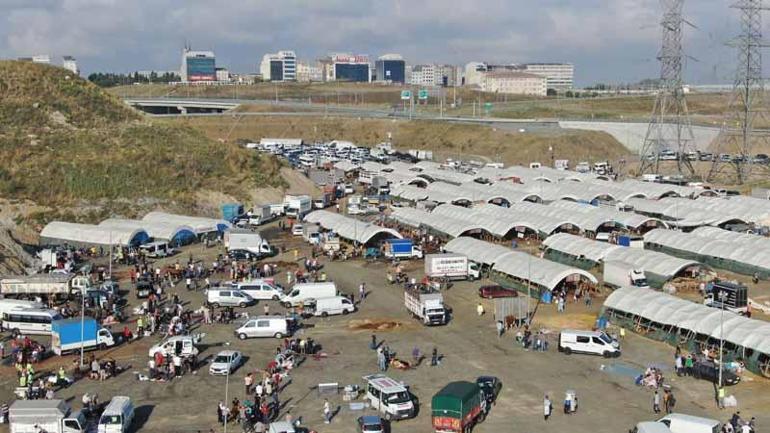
[613, 41]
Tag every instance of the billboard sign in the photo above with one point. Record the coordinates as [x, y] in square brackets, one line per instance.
[422, 94]
[406, 95]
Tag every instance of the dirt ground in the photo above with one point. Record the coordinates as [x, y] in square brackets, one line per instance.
[608, 398]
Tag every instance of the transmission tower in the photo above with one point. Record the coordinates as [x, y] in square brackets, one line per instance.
[737, 135]
[670, 127]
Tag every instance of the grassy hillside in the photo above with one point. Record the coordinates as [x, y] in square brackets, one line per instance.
[446, 140]
[65, 142]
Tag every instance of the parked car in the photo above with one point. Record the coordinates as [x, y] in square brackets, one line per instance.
[370, 424]
[226, 362]
[240, 254]
[228, 297]
[490, 387]
[708, 370]
[495, 291]
[296, 230]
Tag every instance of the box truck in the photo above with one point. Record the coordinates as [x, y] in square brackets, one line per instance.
[259, 215]
[451, 266]
[402, 249]
[247, 240]
[52, 416]
[297, 206]
[458, 407]
[67, 336]
[618, 274]
[425, 305]
[44, 285]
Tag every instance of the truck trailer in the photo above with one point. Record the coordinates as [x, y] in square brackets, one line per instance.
[402, 249]
[451, 266]
[52, 416]
[458, 407]
[68, 336]
[44, 285]
[427, 306]
[730, 296]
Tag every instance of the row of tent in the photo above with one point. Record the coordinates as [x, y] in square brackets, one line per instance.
[739, 252]
[658, 266]
[675, 319]
[706, 211]
[516, 264]
[351, 229]
[173, 228]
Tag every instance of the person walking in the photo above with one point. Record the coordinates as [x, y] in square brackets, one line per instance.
[434, 358]
[688, 365]
[500, 328]
[327, 412]
[670, 402]
[547, 408]
[362, 292]
[247, 382]
[479, 309]
[266, 309]
[656, 402]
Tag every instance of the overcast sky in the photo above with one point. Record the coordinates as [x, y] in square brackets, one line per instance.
[607, 40]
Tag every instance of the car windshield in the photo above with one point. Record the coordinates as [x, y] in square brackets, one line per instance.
[110, 419]
[221, 359]
[398, 397]
[372, 427]
[606, 338]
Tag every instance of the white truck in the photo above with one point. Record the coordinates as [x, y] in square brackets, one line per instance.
[52, 416]
[451, 266]
[426, 306]
[621, 274]
[308, 292]
[259, 215]
[247, 240]
[44, 285]
[297, 205]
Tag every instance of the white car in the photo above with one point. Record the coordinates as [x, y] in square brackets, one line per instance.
[296, 230]
[226, 362]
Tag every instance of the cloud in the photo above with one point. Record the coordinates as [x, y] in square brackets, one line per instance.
[607, 40]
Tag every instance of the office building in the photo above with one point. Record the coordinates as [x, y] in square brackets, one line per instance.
[559, 76]
[223, 75]
[513, 83]
[423, 75]
[446, 75]
[348, 67]
[474, 72]
[307, 72]
[69, 63]
[390, 68]
[198, 66]
[280, 66]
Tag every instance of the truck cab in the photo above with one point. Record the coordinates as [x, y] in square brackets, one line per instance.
[389, 397]
[80, 284]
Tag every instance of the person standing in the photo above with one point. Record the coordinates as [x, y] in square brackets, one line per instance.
[688, 365]
[480, 309]
[266, 309]
[500, 328]
[362, 292]
[656, 402]
[434, 358]
[547, 408]
[247, 382]
[327, 412]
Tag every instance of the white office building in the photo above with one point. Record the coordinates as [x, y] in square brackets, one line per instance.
[514, 83]
[559, 76]
[223, 75]
[474, 73]
[69, 63]
[423, 75]
[280, 66]
[307, 72]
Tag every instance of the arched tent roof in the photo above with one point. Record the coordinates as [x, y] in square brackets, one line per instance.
[58, 232]
[714, 242]
[670, 310]
[579, 246]
[626, 219]
[477, 251]
[539, 271]
[156, 229]
[350, 228]
[651, 261]
[201, 225]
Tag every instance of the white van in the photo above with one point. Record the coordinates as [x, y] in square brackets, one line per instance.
[260, 289]
[156, 249]
[650, 427]
[303, 292]
[30, 321]
[389, 397]
[682, 423]
[589, 342]
[228, 297]
[181, 345]
[117, 416]
[263, 326]
[333, 305]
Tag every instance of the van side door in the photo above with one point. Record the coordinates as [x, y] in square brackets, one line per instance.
[375, 396]
[263, 328]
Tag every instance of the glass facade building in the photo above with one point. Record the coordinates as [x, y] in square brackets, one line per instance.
[201, 68]
[358, 72]
[390, 70]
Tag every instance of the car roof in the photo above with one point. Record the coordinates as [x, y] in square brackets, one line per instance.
[227, 353]
[371, 419]
[385, 383]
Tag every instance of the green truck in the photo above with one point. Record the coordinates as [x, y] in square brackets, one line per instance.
[458, 407]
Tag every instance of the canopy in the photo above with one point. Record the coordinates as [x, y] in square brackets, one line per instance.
[201, 225]
[59, 232]
[536, 270]
[156, 229]
[651, 261]
[579, 246]
[476, 250]
[350, 228]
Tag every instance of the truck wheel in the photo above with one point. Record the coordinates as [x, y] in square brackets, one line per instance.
[275, 298]
[15, 332]
[388, 417]
[287, 304]
[102, 346]
[567, 351]
[242, 305]
[606, 354]
[482, 417]
[324, 314]
[344, 312]
[242, 336]
[278, 335]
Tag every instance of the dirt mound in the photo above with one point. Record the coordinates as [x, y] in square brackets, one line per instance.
[374, 325]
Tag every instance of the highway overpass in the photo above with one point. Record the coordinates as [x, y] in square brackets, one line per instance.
[181, 105]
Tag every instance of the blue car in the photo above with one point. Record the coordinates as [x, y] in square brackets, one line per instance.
[370, 424]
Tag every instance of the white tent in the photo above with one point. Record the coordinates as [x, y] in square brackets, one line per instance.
[539, 271]
[579, 246]
[658, 263]
[201, 225]
[156, 229]
[349, 228]
[476, 250]
[59, 232]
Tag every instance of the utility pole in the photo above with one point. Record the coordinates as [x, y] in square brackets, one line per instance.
[670, 127]
[747, 109]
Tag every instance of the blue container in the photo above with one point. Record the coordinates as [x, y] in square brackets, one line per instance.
[231, 211]
[624, 241]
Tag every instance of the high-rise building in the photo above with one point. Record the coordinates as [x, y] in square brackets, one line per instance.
[446, 75]
[198, 66]
[423, 75]
[348, 67]
[223, 75]
[307, 72]
[559, 76]
[513, 82]
[69, 63]
[280, 66]
[390, 67]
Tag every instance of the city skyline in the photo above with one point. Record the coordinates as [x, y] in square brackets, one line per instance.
[607, 41]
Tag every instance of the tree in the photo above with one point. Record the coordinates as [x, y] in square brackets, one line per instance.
[569, 94]
[550, 92]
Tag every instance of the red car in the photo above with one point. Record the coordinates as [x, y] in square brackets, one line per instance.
[495, 291]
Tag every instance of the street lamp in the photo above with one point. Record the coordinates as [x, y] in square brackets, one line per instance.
[722, 295]
[227, 389]
[82, 321]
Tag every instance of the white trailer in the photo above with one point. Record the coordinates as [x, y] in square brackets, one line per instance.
[428, 307]
[618, 274]
[451, 266]
[241, 239]
[44, 285]
[297, 205]
[52, 416]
